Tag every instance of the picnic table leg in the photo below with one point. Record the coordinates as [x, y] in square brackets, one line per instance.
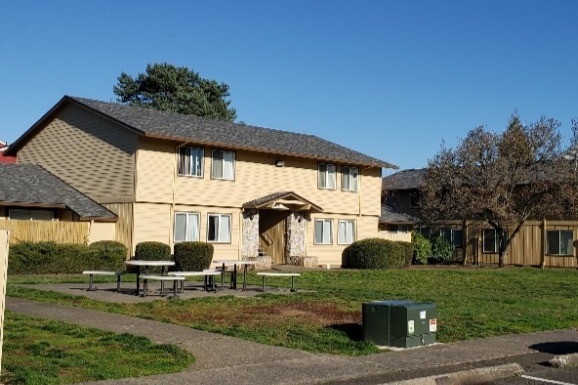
[234, 277]
[118, 282]
[175, 288]
[223, 276]
[144, 288]
[137, 280]
[90, 287]
[212, 283]
[245, 278]
[293, 290]
[263, 284]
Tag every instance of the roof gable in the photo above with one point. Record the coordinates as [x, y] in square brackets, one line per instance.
[189, 128]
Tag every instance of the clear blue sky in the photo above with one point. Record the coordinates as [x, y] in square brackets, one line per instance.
[391, 79]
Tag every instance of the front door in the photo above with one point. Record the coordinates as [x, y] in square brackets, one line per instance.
[272, 234]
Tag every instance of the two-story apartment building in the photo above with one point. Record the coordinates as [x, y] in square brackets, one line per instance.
[171, 177]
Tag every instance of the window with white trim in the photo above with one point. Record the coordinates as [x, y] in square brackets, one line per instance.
[560, 242]
[323, 232]
[345, 232]
[490, 241]
[223, 165]
[219, 228]
[349, 178]
[31, 214]
[191, 160]
[326, 176]
[187, 227]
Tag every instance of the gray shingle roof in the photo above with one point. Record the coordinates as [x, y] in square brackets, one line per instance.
[31, 184]
[404, 180]
[390, 215]
[170, 125]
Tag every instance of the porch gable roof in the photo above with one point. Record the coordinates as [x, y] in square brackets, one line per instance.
[283, 200]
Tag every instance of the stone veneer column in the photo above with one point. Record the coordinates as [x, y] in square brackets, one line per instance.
[296, 238]
[250, 241]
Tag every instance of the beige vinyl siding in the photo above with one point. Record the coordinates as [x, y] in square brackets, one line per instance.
[89, 152]
[123, 230]
[255, 176]
[101, 231]
[365, 227]
[152, 222]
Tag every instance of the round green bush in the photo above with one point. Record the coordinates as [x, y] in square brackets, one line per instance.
[442, 250]
[421, 248]
[106, 255]
[193, 256]
[376, 253]
[152, 251]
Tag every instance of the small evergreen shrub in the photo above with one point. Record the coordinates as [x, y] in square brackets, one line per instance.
[442, 250]
[421, 248]
[193, 256]
[407, 252]
[107, 255]
[152, 251]
[376, 253]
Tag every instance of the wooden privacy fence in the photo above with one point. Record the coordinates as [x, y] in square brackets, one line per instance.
[46, 231]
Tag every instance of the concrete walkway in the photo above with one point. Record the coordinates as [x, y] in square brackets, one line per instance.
[226, 360]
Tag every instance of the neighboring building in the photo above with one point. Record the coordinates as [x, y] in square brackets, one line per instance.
[32, 194]
[540, 242]
[171, 177]
[3, 157]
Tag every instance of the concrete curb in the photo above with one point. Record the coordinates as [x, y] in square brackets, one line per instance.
[469, 377]
[565, 360]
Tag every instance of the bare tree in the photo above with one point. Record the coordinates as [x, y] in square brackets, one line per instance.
[504, 179]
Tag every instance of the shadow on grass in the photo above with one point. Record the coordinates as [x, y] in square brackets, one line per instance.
[354, 331]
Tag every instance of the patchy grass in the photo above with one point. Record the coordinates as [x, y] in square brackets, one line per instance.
[40, 352]
[471, 303]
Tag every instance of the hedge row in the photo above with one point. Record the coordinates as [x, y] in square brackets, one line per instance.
[54, 258]
[377, 253]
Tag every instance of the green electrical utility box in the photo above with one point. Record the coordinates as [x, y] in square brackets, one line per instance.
[403, 324]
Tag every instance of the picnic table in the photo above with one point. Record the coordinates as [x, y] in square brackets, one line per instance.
[145, 265]
[234, 262]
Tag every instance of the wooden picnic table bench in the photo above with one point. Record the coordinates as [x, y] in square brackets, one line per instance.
[272, 274]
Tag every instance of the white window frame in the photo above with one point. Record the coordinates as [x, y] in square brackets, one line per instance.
[560, 245]
[341, 241]
[452, 236]
[348, 179]
[495, 250]
[30, 216]
[223, 162]
[188, 157]
[189, 217]
[217, 233]
[325, 222]
[326, 179]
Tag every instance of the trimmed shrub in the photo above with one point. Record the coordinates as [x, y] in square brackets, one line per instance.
[193, 256]
[152, 251]
[107, 255]
[54, 258]
[376, 253]
[407, 252]
[421, 248]
[442, 250]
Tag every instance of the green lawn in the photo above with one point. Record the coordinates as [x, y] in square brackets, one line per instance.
[41, 352]
[471, 303]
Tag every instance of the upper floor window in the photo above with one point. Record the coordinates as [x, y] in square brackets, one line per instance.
[186, 227]
[349, 177]
[27, 215]
[323, 232]
[223, 166]
[219, 228]
[560, 242]
[326, 176]
[191, 161]
[346, 232]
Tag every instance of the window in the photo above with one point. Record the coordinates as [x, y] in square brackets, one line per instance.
[219, 228]
[453, 236]
[326, 176]
[346, 232]
[560, 242]
[323, 232]
[414, 198]
[27, 215]
[186, 227]
[349, 176]
[490, 241]
[223, 166]
[191, 161]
